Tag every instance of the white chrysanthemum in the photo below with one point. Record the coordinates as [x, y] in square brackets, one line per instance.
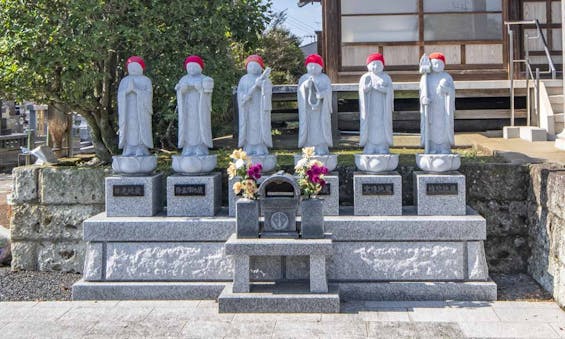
[239, 163]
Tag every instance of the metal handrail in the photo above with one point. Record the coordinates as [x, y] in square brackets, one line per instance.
[529, 73]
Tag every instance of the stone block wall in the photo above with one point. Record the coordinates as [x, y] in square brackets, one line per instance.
[546, 219]
[49, 206]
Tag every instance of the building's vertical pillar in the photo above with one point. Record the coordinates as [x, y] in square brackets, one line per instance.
[331, 22]
[560, 138]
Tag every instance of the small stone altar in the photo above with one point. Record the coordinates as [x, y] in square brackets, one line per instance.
[242, 296]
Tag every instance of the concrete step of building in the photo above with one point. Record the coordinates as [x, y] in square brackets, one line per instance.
[528, 133]
[279, 298]
[554, 90]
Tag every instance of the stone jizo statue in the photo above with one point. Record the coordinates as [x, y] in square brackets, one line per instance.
[315, 107]
[194, 102]
[135, 96]
[376, 104]
[437, 108]
[437, 105]
[254, 94]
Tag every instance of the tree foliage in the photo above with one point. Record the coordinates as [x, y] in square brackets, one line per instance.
[73, 52]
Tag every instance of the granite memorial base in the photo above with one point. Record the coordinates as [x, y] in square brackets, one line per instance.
[377, 193]
[406, 257]
[194, 195]
[133, 196]
[440, 193]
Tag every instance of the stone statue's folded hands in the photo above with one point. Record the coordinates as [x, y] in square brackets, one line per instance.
[425, 100]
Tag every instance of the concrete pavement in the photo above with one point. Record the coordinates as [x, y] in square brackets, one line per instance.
[200, 319]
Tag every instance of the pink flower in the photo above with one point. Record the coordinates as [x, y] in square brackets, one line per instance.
[254, 171]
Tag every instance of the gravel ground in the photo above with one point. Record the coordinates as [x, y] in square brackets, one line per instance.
[519, 287]
[32, 286]
[26, 286]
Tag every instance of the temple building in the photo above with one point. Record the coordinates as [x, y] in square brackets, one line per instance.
[471, 33]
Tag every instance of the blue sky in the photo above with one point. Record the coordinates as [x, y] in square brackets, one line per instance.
[302, 21]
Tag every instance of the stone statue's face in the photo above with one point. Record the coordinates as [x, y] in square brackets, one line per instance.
[375, 66]
[254, 68]
[135, 69]
[313, 68]
[437, 65]
[193, 68]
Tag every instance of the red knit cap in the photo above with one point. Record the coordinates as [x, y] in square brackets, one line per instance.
[194, 58]
[315, 58]
[376, 56]
[136, 59]
[438, 56]
[255, 58]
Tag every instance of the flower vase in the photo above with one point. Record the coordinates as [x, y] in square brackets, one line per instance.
[312, 211]
[247, 218]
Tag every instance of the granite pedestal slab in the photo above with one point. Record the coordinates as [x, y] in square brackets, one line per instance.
[194, 195]
[440, 193]
[377, 194]
[133, 196]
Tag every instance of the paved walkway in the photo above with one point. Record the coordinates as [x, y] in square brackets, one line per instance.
[200, 319]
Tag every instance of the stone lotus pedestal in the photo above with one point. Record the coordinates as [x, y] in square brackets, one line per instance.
[438, 162]
[136, 165]
[377, 193]
[194, 195]
[133, 196]
[439, 193]
[376, 163]
[269, 161]
[330, 160]
[194, 164]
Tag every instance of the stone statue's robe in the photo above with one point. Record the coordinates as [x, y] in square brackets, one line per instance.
[315, 122]
[194, 108]
[375, 108]
[255, 113]
[134, 111]
[441, 112]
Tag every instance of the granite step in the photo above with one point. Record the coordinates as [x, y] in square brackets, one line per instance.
[279, 298]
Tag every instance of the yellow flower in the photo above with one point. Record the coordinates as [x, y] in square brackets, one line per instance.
[237, 187]
[308, 151]
[232, 170]
[239, 154]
